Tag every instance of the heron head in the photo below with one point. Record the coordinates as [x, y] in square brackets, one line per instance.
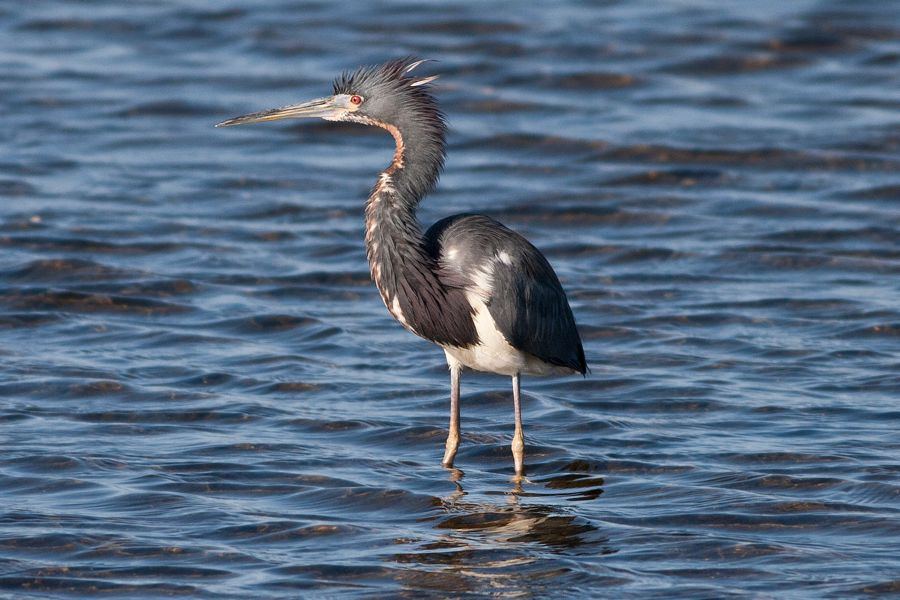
[381, 95]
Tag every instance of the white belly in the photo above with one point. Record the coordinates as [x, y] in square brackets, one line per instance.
[493, 353]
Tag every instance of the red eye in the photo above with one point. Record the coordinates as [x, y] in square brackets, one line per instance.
[356, 100]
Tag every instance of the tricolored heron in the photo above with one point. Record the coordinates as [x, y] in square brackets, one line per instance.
[478, 290]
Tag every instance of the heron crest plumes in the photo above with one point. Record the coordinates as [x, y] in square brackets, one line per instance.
[397, 100]
[394, 73]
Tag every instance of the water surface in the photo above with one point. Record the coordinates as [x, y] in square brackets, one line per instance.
[202, 393]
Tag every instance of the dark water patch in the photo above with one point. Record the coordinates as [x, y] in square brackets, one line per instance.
[370, 500]
[23, 222]
[319, 576]
[96, 25]
[82, 302]
[88, 586]
[620, 467]
[787, 483]
[496, 47]
[125, 549]
[318, 293]
[811, 308]
[45, 463]
[784, 458]
[796, 259]
[868, 102]
[805, 506]
[637, 255]
[885, 192]
[520, 169]
[35, 166]
[541, 144]
[581, 216]
[62, 269]
[864, 26]
[14, 417]
[215, 14]
[265, 324]
[773, 158]
[60, 486]
[288, 387]
[171, 416]
[737, 64]
[137, 572]
[458, 27]
[491, 106]
[887, 384]
[284, 533]
[166, 339]
[53, 387]
[13, 187]
[221, 489]
[352, 279]
[213, 380]
[814, 41]
[148, 287]
[885, 59]
[886, 330]
[319, 426]
[825, 236]
[86, 389]
[712, 101]
[80, 245]
[880, 258]
[27, 320]
[759, 524]
[166, 108]
[596, 80]
[661, 401]
[888, 586]
[272, 236]
[268, 210]
[703, 319]
[681, 177]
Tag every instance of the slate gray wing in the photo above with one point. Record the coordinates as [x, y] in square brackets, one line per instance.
[525, 298]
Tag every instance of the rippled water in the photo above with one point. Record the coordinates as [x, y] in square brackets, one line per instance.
[202, 392]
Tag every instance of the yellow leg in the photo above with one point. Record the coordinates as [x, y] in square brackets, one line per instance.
[518, 441]
[453, 435]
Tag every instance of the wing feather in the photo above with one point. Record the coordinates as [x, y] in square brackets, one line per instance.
[525, 298]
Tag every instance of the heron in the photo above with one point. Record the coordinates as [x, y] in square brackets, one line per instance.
[480, 291]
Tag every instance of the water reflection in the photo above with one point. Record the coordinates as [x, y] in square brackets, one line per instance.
[503, 545]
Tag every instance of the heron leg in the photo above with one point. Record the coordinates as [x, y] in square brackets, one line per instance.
[453, 434]
[518, 441]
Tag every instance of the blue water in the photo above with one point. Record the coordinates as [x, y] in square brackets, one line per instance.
[202, 394]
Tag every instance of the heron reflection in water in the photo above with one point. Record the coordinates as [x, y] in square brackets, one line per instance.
[477, 289]
[499, 542]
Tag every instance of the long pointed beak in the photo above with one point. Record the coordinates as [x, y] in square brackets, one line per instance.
[320, 107]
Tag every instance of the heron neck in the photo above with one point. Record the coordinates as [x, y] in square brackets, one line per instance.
[413, 172]
[395, 246]
[402, 261]
[416, 165]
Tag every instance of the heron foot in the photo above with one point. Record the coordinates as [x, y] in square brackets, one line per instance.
[518, 452]
[450, 450]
